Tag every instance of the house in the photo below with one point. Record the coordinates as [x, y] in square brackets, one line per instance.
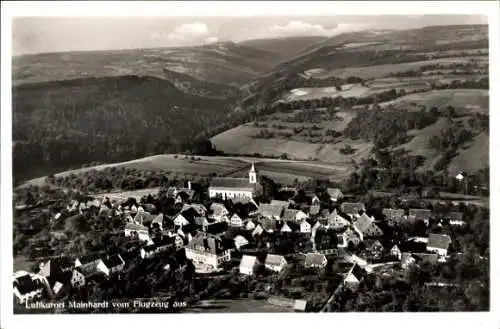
[248, 265]
[283, 204]
[269, 225]
[315, 260]
[29, 286]
[393, 216]
[314, 210]
[200, 210]
[135, 230]
[337, 222]
[335, 194]
[354, 277]
[250, 225]
[352, 208]
[351, 236]
[240, 241]
[180, 220]
[235, 221]
[218, 212]
[258, 230]
[395, 252]
[365, 226]
[342, 242]
[406, 260]
[158, 220]
[207, 253]
[228, 188]
[270, 211]
[77, 279]
[114, 263]
[426, 257]
[275, 263]
[285, 228]
[143, 218]
[201, 223]
[91, 264]
[420, 214]
[216, 229]
[455, 218]
[374, 249]
[293, 215]
[300, 305]
[305, 227]
[54, 267]
[148, 251]
[178, 242]
[439, 244]
[185, 194]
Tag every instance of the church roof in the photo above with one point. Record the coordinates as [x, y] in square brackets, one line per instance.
[232, 183]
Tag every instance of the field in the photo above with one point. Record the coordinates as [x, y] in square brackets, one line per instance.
[124, 195]
[463, 100]
[283, 171]
[379, 71]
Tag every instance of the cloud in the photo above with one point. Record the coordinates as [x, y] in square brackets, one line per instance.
[186, 35]
[301, 28]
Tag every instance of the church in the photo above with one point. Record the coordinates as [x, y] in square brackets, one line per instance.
[229, 188]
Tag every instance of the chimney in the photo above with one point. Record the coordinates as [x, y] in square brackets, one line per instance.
[189, 184]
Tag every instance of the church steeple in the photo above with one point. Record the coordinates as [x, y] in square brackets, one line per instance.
[252, 175]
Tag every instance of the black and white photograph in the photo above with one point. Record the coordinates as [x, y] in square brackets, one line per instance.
[263, 163]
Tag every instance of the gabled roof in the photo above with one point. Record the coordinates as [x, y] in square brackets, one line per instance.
[358, 272]
[199, 209]
[28, 283]
[185, 193]
[352, 207]
[426, 257]
[274, 260]
[420, 214]
[190, 214]
[289, 214]
[113, 261]
[248, 261]
[217, 228]
[284, 204]
[363, 223]
[218, 209]
[334, 219]
[240, 240]
[56, 265]
[144, 217]
[441, 241]
[370, 244]
[135, 227]
[171, 191]
[393, 214]
[314, 259]
[207, 243]
[158, 219]
[189, 228]
[334, 193]
[314, 210]
[232, 183]
[89, 258]
[269, 210]
[200, 221]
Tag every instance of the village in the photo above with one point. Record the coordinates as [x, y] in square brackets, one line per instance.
[233, 235]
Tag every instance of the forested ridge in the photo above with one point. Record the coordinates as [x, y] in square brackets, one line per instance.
[70, 123]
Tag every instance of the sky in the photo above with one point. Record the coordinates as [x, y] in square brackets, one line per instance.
[56, 34]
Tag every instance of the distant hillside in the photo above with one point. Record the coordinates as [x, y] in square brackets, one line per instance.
[286, 47]
[364, 49]
[69, 123]
[226, 63]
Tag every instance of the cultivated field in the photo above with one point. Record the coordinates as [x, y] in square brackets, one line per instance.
[124, 195]
[378, 71]
[463, 100]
